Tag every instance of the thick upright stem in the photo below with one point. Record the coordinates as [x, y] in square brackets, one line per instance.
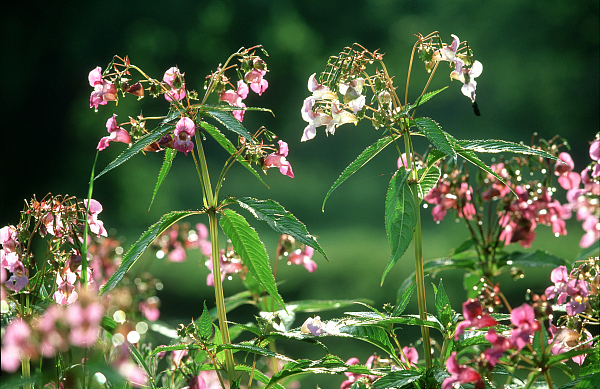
[419, 273]
[219, 297]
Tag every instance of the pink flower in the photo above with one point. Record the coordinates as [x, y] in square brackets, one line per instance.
[474, 317]
[460, 374]
[448, 53]
[229, 265]
[117, 134]
[196, 382]
[8, 238]
[353, 377]
[149, 308]
[500, 344]
[19, 279]
[313, 326]
[402, 162]
[595, 150]
[84, 322]
[96, 226]
[565, 339]
[65, 292]
[16, 344]
[303, 257]
[52, 340]
[578, 291]
[523, 318]
[278, 160]
[560, 277]
[411, 354]
[234, 98]
[257, 83]
[184, 131]
[352, 92]
[320, 92]
[104, 91]
[338, 117]
[174, 79]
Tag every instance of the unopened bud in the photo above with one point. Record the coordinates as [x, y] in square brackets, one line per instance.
[136, 90]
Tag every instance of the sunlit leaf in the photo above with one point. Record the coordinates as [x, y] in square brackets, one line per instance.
[247, 244]
[164, 170]
[230, 122]
[436, 136]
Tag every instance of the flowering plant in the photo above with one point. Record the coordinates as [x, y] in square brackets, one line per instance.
[83, 299]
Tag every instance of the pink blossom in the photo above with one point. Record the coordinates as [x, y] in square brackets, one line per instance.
[228, 266]
[177, 356]
[578, 291]
[53, 225]
[500, 344]
[174, 79]
[184, 131]
[320, 92]
[353, 377]
[196, 382]
[19, 279]
[595, 150]
[474, 317]
[3, 278]
[523, 318]
[9, 260]
[560, 277]
[257, 83]
[339, 116]
[65, 292]
[8, 238]
[16, 344]
[84, 322]
[117, 134]
[313, 326]
[564, 339]
[149, 308]
[352, 92]
[234, 98]
[278, 159]
[303, 257]
[460, 374]
[104, 91]
[52, 339]
[129, 369]
[448, 52]
[96, 226]
[402, 162]
[411, 354]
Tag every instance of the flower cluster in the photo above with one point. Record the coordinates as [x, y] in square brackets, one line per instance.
[255, 69]
[295, 254]
[352, 378]
[465, 69]
[583, 191]
[174, 242]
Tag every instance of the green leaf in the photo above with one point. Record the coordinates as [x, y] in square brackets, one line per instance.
[428, 181]
[247, 244]
[248, 347]
[397, 379]
[502, 146]
[371, 334]
[164, 170]
[163, 128]
[229, 147]
[436, 136]
[400, 217]
[204, 325]
[257, 374]
[330, 364]
[280, 220]
[404, 300]
[533, 259]
[137, 357]
[426, 97]
[231, 123]
[359, 162]
[586, 382]
[442, 305]
[142, 244]
[592, 251]
[318, 305]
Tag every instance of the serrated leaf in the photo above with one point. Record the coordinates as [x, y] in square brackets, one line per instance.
[163, 128]
[229, 147]
[428, 181]
[248, 347]
[502, 146]
[426, 97]
[164, 170]
[400, 217]
[280, 220]
[397, 379]
[142, 244]
[257, 374]
[442, 305]
[364, 157]
[247, 244]
[230, 122]
[371, 334]
[318, 305]
[204, 325]
[330, 364]
[403, 301]
[436, 136]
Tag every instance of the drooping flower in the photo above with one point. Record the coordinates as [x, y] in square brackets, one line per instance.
[95, 225]
[149, 308]
[339, 116]
[228, 264]
[184, 131]
[560, 277]
[460, 374]
[279, 160]
[303, 257]
[319, 92]
[104, 91]
[474, 317]
[235, 97]
[117, 134]
[16, 344]
[314, 119]
[313, 326]
[411, 354]
[564, 339]
[84, 322]
[19, 279]
[467, 77]
[567, 178]
[523, 318]
[257, 83]
[578, 291]
[65, 292]
[174, 79]
[353, 377]
[500, 344]
[448, 52]
[352, 92]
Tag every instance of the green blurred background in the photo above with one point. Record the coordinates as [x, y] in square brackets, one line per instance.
[540, 75]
